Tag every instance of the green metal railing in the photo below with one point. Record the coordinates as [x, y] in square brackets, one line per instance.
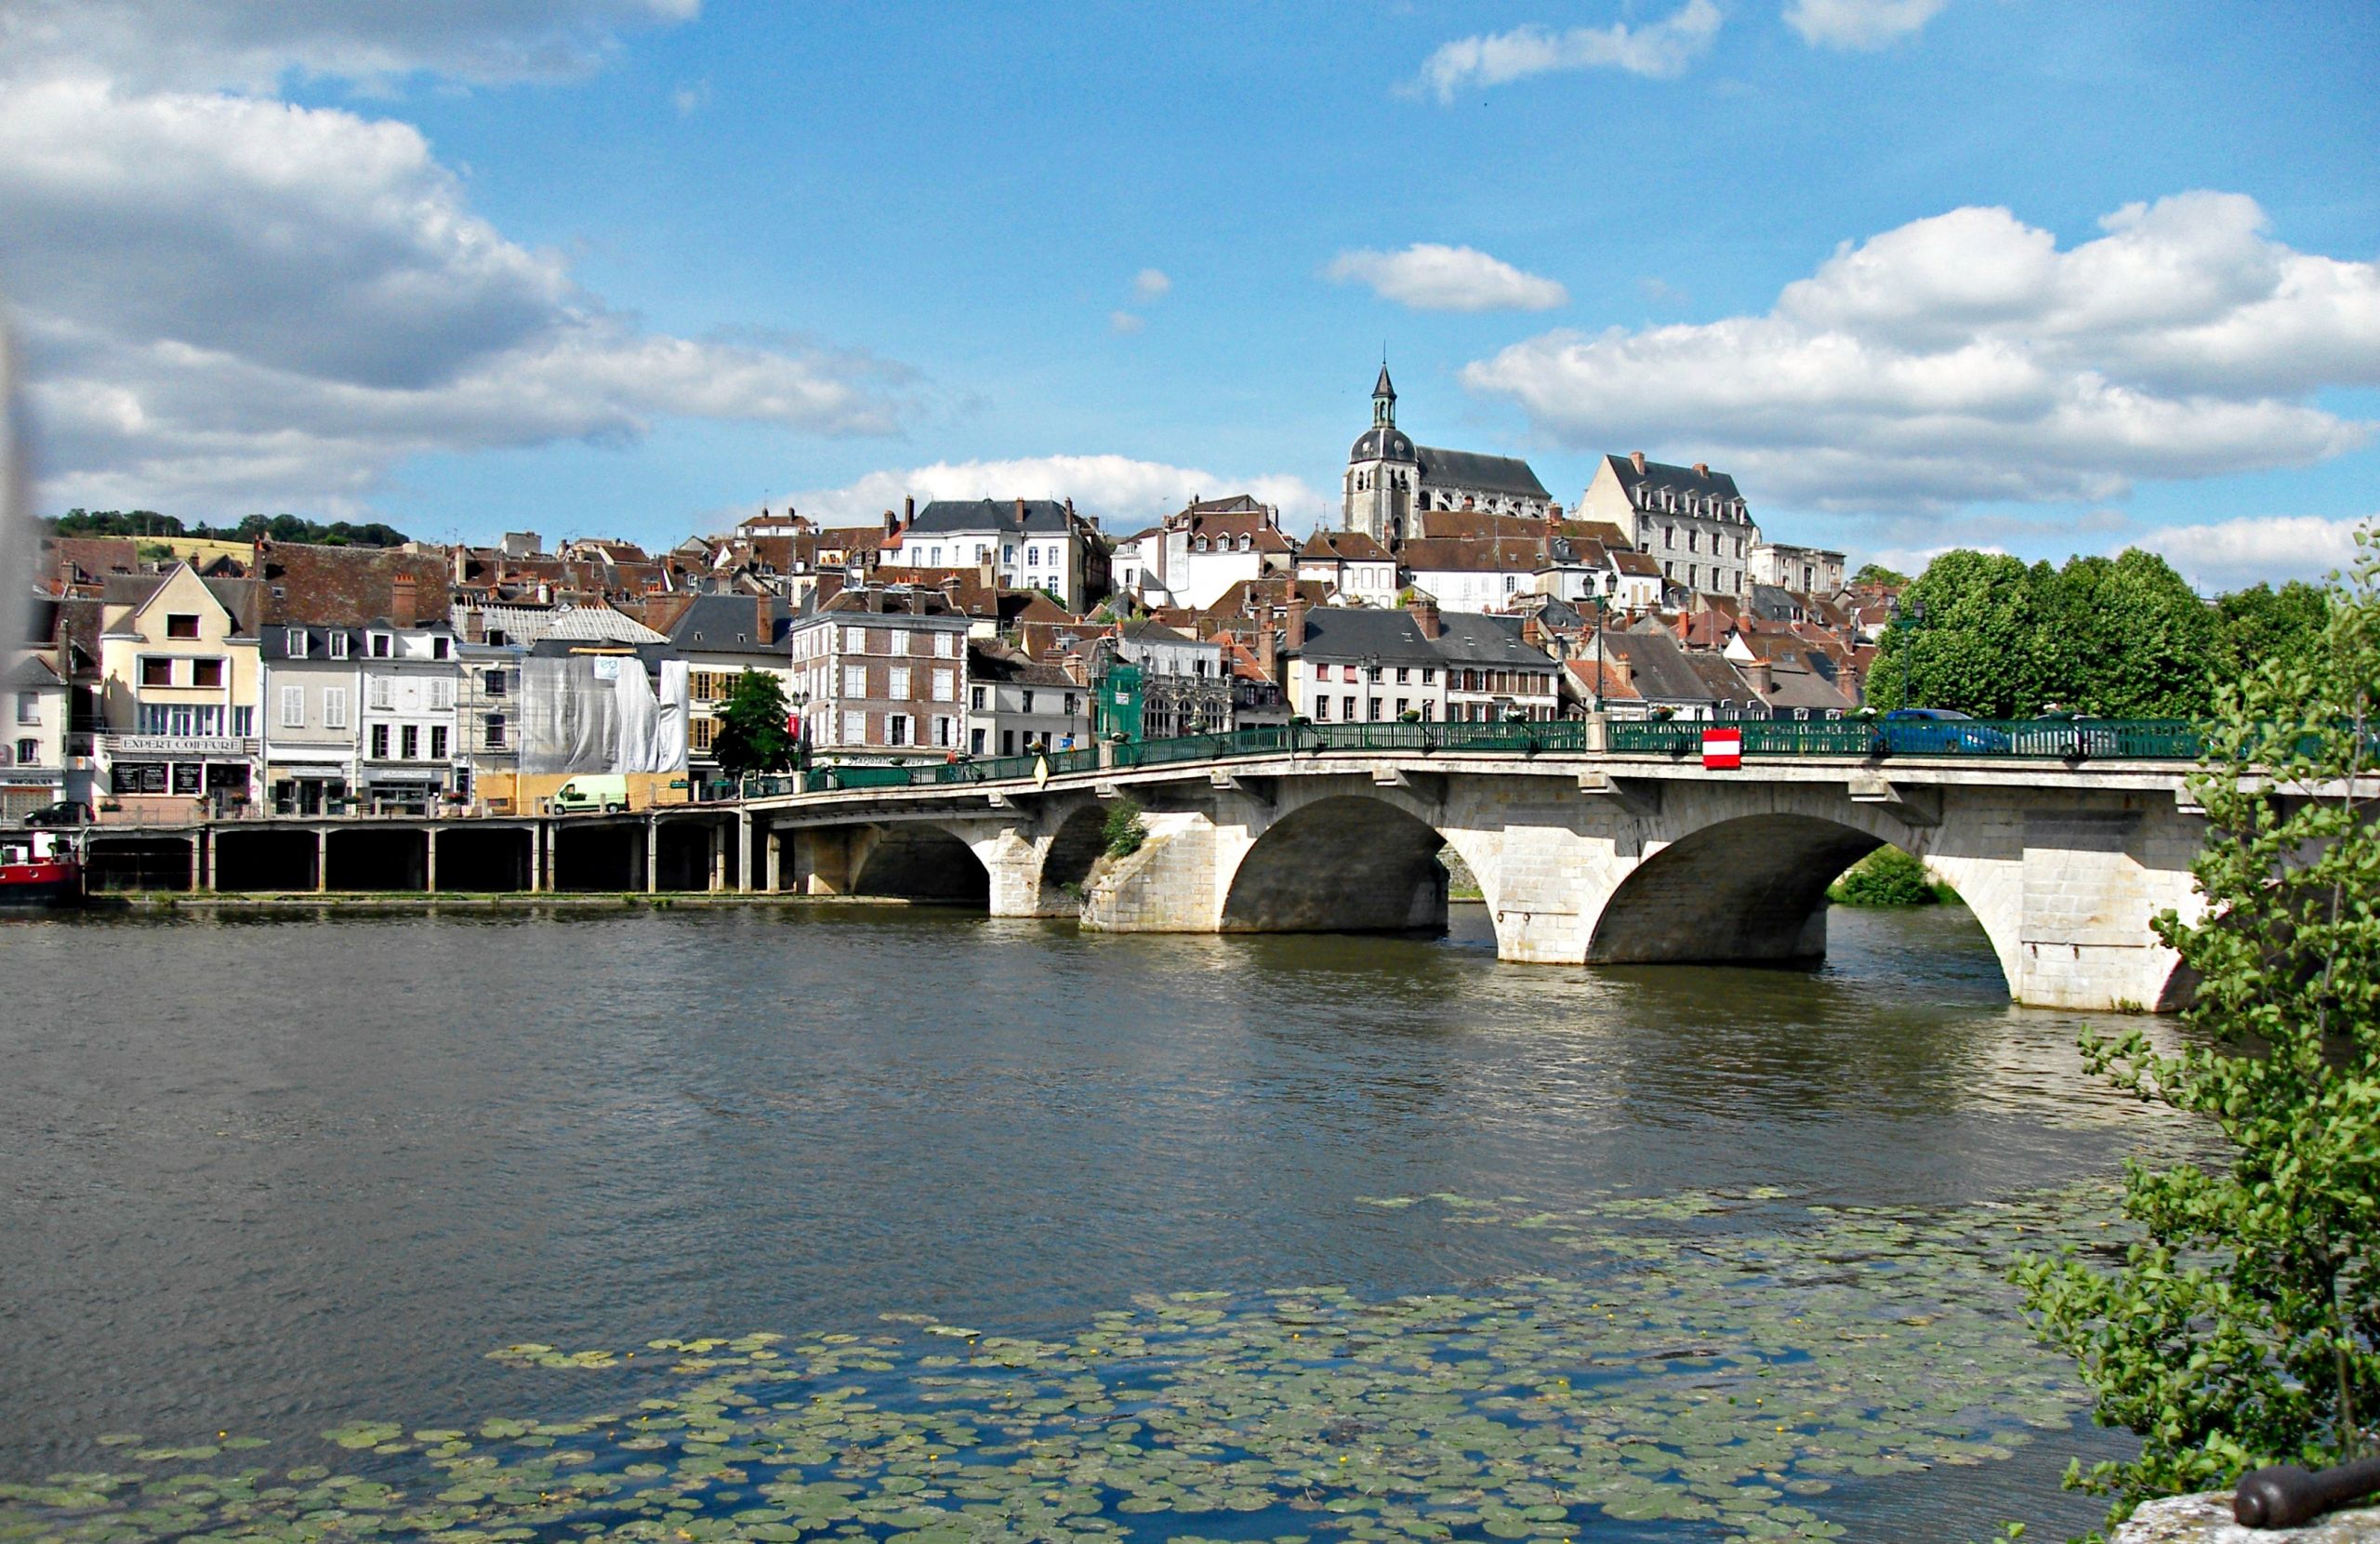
[2032, 739]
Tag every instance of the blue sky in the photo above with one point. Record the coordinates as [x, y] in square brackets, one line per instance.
[1922, 272]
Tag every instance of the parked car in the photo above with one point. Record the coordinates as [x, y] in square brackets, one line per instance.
[64, 813]
[2057, 732]
[1936, 731]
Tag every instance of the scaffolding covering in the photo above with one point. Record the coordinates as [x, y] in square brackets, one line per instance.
[602, 713]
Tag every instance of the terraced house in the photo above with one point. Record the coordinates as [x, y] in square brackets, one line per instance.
[178, 695]
[882, 672]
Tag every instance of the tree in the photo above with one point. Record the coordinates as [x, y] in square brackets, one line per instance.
[1970, 638]
[2129, 640]
[752, 735]
[2262, 623]
[1878, 574]
[1888, 877]
[2243, 1328]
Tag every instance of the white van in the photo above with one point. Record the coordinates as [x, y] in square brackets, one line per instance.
[591, 792]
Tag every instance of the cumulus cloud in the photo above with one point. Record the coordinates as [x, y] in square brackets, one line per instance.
[1864, 24]
[1659, 48]
[252, 44]
[1965, 358]
[1123, 492]
[2273, 549]
[231, 302]
[1125, 323]
[1432, 278]
[1152, 284]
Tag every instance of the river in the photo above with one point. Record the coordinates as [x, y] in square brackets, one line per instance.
[274, 1176]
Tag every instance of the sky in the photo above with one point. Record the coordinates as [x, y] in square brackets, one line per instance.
[2020, 274]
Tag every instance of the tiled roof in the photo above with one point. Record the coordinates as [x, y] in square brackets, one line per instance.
[1349, 633]
[1350, 547]
[347, 587]
[1492, 474]
[1041, 517]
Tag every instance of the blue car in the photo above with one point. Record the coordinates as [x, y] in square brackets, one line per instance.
[1936, 731]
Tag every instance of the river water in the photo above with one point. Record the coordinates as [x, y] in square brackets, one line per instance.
[276, 1176]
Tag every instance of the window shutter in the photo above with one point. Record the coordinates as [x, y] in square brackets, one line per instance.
[293, 707]
[334, 708]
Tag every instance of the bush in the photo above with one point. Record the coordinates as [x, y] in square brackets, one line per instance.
[1887, 876]
[1125, 830]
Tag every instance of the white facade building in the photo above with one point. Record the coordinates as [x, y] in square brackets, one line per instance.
[1690, 519]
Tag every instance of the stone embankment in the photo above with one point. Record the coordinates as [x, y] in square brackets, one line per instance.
[2207, 1520]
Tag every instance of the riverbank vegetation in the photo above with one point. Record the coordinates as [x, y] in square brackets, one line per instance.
[1889, 877]
[2127, 637]
[2244, 1327]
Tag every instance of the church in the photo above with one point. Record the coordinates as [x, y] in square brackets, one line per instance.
[1390, 479]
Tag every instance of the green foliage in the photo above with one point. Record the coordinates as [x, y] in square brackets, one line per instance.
[2120, 636]
[1125, 830]
[279, 528]
[2243, 1328]
[1887, 876]
[1877, 573]
[2253, 625]
[752, 735]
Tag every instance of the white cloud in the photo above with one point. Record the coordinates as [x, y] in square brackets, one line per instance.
[1657, 48]
[1430, 277]
[252, 45]
[1124, 323]
[2233, 554]
[1864, 24]
[1965, 358]
[1123, 492]
[1151, 284]
[232, 303]
[691, 98]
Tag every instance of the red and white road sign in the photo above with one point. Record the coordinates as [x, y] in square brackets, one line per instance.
[1723, 749]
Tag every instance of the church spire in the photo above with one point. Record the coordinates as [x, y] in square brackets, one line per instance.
[1383, 398]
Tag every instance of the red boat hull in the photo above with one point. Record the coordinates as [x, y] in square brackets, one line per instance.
[48, 883]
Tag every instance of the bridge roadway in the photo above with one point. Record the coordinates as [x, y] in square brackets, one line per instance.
[1583, 855]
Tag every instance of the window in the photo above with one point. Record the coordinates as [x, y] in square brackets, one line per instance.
[1372, 707]
[896, 729]
[295, 639]
[1371, 672]
[945, 686]
[207, 672]
[854, 681]
[897, 684]
[1350, 713]
[409, 743]
[854, 640]
[1026, 700]
[493, 681]
[152, 717]
[28, 708]
[1198, 546]
[1402, 703]
[441, 647]
[1007, 556]
[946, 645]
[1403, 675]
[1070, 704]
[379, 742]
[495, 723]
[442, 695]
[942, 733]
[701, 734]
[1694, 541]
[339, 645]
[27, 752]
[1429, 675]
[974, 742]
[156, 672]
[181, 624]
[334, 708]
[1033, 554]
[1321, 710]
[975, 698]
[1668, 537]
[293, 707]
[381, 693]
[384, 646]
[438, 741]
[854, 728]
[934, 557]
[1346, 672]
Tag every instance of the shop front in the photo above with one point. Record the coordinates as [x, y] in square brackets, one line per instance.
[146, 770]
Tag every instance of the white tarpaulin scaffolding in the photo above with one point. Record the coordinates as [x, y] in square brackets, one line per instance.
[600, 713]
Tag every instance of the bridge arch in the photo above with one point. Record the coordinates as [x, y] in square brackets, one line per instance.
[920, 861]
[1342, 862]
[1073, 850]
[1753, 888]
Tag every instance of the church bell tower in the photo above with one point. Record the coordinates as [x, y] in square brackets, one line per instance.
[1382, 473]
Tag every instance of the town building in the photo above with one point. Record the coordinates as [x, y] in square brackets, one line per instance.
[1184, 682]
[1358, 568]
[1804, 569]
[881, 671]
[1389, 478]
[33, 746]
[1031, 544]
[1690, 519]
[1358, 665]
[1200, 551]
[719, 637]
[179, 691]
[1017, 704]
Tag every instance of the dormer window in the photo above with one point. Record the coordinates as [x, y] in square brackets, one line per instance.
[181, 624]
[297, 641]
[339, 645]
[441, 647]
[383, 646]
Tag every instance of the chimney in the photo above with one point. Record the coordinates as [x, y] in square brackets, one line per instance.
[891, 522]
[400, 601]
[908, 511]
[764, 617]
[475, 625]
[1425, 615]
[1762, 676]
[662, 612]
[1702, 469]
[1637, 458]
[1621, 670]
[1268, 648]
[1295, 636]
[1020, 511]
[987, 574]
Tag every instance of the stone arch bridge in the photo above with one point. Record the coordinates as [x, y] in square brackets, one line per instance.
[1582, 858]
